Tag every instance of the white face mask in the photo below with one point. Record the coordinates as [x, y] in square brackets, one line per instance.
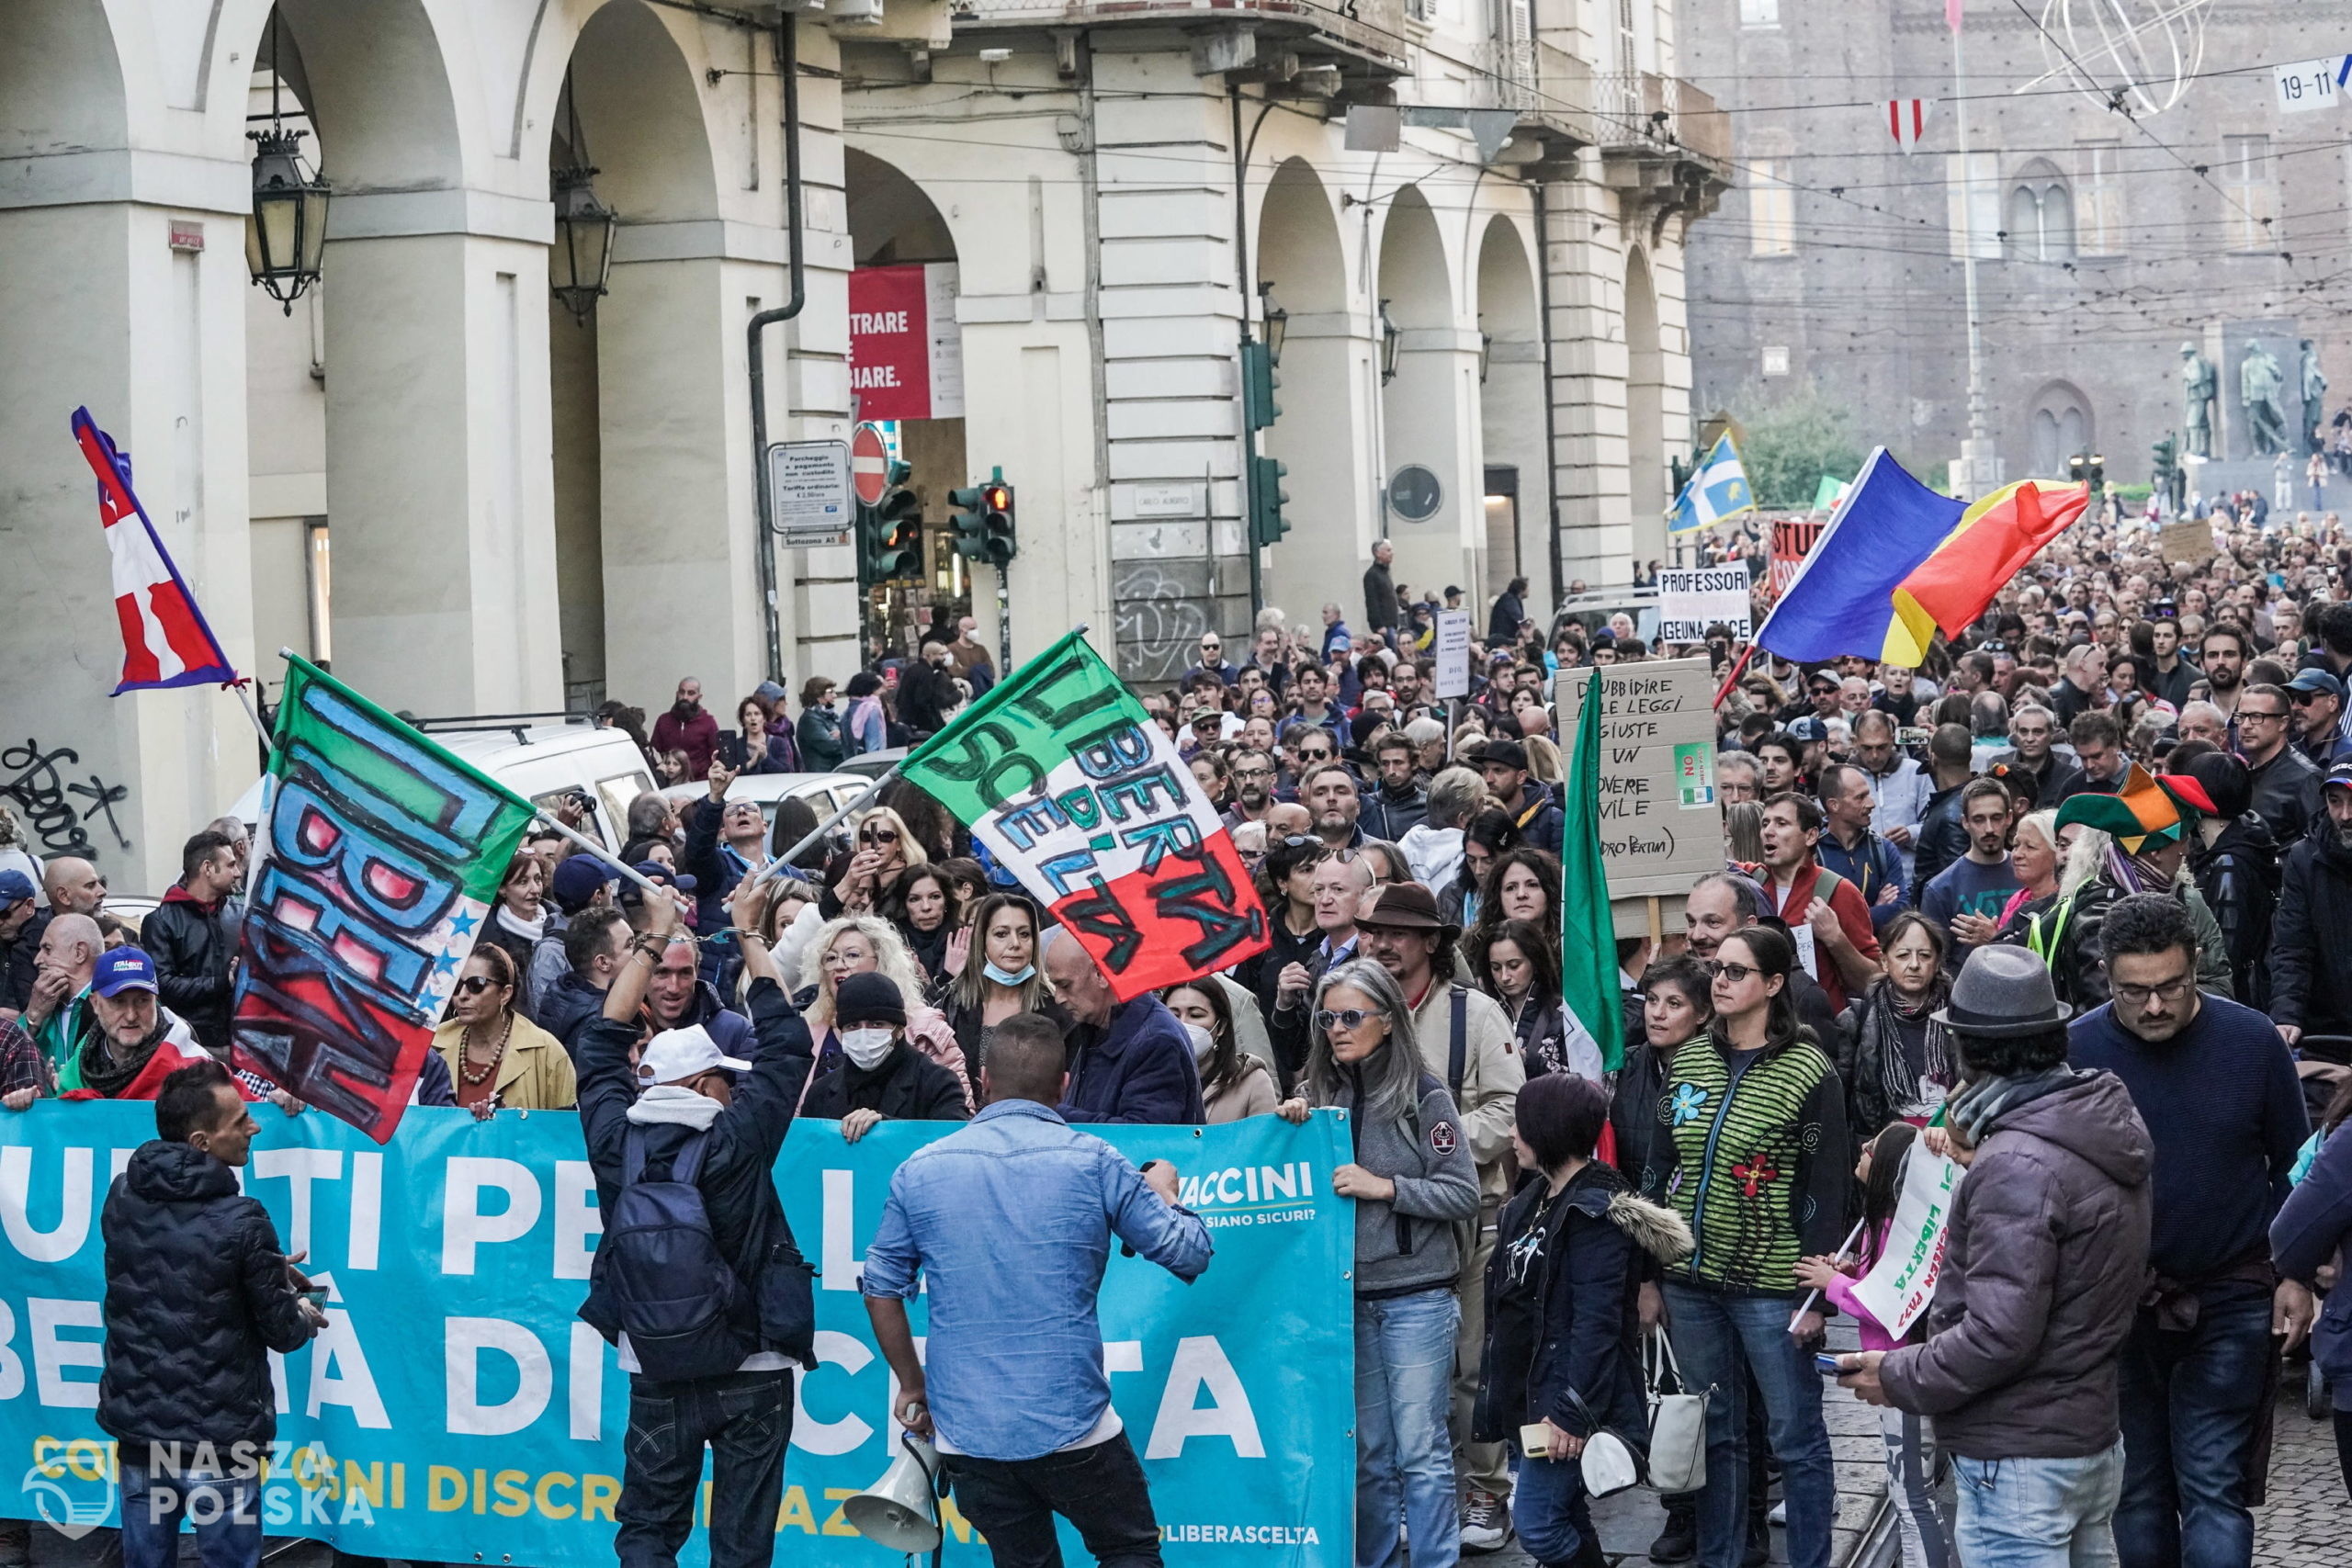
[868, 1045]
[1203, 1042]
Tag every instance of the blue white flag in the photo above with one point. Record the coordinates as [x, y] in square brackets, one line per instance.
[1718, 492]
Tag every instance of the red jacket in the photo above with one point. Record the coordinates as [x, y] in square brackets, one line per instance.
[698, 738]
[1844, 901]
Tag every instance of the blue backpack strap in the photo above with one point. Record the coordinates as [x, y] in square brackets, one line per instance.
[688, 1164]
[1458, 1052]
[632, 1155]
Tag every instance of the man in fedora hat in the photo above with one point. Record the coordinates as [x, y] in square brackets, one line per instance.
[1468, 1042]
[2044, 1257]
[2225, 1112]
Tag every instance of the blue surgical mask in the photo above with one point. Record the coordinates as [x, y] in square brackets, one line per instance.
[1007, 976]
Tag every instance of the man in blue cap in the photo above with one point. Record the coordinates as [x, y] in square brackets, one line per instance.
[132, 1043]
[2318, 697]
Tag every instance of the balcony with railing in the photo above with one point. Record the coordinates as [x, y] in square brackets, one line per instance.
[1660, 136]
[1369, 33]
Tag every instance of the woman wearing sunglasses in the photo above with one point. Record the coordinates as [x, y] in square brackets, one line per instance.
[1414, 1183]
[867, 880]
[499, 1059]
[1756, 1161]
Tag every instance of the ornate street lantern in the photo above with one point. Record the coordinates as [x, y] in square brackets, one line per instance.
[287, 235]
[1276, 320]
[583, 258]
[1390, 336]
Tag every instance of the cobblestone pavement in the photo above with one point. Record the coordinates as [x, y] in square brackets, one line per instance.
[2308, 1520]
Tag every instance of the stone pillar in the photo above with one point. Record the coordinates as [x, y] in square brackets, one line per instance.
[98, 307]
[439, 456]
[1432, 419]
[1588, 369]
[1328, 399]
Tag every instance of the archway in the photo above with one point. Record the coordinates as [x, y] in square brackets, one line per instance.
[906, 263]
[1516, 542]
[2058, 426]
[1645, 471]
[1432, 513]
[1326, 360]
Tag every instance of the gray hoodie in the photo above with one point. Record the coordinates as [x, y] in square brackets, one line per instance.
[2044, 1264]
[1407, 1243]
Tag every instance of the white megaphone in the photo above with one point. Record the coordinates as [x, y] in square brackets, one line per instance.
[900, 1511]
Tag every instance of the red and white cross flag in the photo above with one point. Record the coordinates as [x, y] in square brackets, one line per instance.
[166, 641]
[1907, 118]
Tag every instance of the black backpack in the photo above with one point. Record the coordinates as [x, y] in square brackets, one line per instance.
[686, 1310]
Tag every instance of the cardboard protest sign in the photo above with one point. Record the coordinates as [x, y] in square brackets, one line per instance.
[1063, 775]
[2189, 543]
[1689, 602]
[1660, 831]
[1792, 540]
[1903, 1281]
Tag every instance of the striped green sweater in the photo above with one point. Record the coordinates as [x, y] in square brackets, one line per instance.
[1759, 1163]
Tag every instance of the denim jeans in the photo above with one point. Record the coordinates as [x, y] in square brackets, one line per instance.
[1550, 1510]
[225, 1515]
[744, 1418]
[2190, 1403]
[1910, 1487]
[1719, 1339]
[1098, 1490]
[1404, 1457]
[2038, 1512]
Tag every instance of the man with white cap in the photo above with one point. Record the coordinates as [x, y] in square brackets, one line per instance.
[685, 1115]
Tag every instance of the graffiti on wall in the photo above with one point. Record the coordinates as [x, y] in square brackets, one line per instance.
[59, 812]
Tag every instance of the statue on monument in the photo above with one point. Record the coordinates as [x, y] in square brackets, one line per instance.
[2199, 386]
[2259, 382]
[2314, 389]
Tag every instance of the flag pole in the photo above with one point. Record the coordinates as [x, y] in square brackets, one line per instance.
[1806, 1305]
[589, 846]
[775, 866]
[246, 701]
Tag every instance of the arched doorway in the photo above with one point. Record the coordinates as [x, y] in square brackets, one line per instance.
[1325, 359]
[1433, 514]
[1645, 469]
[1516, 541]
[907, 273]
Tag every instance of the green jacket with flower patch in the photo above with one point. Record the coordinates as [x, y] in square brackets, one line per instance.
[1755, 1158]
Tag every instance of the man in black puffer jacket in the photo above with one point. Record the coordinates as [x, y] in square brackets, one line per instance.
[197, 1289]
[192, 936]
[680, 1089]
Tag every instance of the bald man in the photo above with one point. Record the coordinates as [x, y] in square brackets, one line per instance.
[63, 965]
[1128, 1061]
[70, 885]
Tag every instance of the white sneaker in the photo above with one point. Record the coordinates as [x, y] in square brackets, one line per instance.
[1486, 1522]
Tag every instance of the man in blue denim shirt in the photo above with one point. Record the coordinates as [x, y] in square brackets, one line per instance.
[1011, 1219]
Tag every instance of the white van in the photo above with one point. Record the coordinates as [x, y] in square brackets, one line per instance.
[543, 763]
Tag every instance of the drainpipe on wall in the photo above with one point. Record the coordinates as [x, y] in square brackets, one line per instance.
[787, 65]
[1551, 413]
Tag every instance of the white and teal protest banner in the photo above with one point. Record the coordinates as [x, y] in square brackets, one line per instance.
[455, 1410]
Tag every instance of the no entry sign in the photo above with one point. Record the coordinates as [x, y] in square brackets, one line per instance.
[869, 466]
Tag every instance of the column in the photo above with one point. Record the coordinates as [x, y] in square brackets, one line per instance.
[1328, 399]
[1589, 369]
[440, 453]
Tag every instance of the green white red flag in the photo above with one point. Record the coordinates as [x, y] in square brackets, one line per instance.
[1076, 792]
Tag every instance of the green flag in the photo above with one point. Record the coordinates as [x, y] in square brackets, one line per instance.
[1588, 936]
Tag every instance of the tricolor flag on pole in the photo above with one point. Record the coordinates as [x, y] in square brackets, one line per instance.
[166, 641]
[1065, 778]
[1907, 118]
[1589, 985]
[1718, 492]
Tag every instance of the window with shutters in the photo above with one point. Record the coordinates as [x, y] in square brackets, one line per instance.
[2098, 201]
[2248, 185]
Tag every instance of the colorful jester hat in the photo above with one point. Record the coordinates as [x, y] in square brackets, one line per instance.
[2146, 805]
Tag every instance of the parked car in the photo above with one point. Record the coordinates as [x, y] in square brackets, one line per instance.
[543, 762]
[874, 764]
[825, 793]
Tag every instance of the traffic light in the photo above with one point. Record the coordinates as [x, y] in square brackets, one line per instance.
[2163, 457]
[983, 521]
[998, 543]
[1266, 501]
[889, 534]
[1259, 380]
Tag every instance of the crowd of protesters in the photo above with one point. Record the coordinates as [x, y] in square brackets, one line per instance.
[2056, 904]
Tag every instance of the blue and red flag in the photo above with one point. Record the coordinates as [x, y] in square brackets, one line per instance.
[166, 641]
[1900, 560]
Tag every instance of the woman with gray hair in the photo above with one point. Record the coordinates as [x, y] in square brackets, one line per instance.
[1413, 1182]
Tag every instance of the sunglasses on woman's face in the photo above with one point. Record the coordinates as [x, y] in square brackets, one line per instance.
[1738, 973]
[475, 985]
[1348, 1019]
[876, 836]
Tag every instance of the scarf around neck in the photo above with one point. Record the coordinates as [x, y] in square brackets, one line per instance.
[530, 931]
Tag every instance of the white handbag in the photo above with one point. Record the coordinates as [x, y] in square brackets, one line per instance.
[1677, 1421]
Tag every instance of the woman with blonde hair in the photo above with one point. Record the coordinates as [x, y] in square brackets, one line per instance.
[1543, 763]
[862, 944]
[869, 879]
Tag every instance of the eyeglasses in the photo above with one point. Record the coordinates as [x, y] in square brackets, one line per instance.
[2170, 991]
[878, 836]
[1259, 772]
[2248, 716]
[475, 985]
[1318, 756]
[1347, 1019]
[2305, 699]
[1738, 973]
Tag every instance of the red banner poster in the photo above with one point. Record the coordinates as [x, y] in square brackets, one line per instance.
[889, 342]
[1792, 539]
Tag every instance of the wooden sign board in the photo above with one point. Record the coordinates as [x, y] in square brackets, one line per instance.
[2189, 543]
[1660, 826]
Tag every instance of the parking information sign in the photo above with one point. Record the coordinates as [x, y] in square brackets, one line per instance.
[809, 489]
